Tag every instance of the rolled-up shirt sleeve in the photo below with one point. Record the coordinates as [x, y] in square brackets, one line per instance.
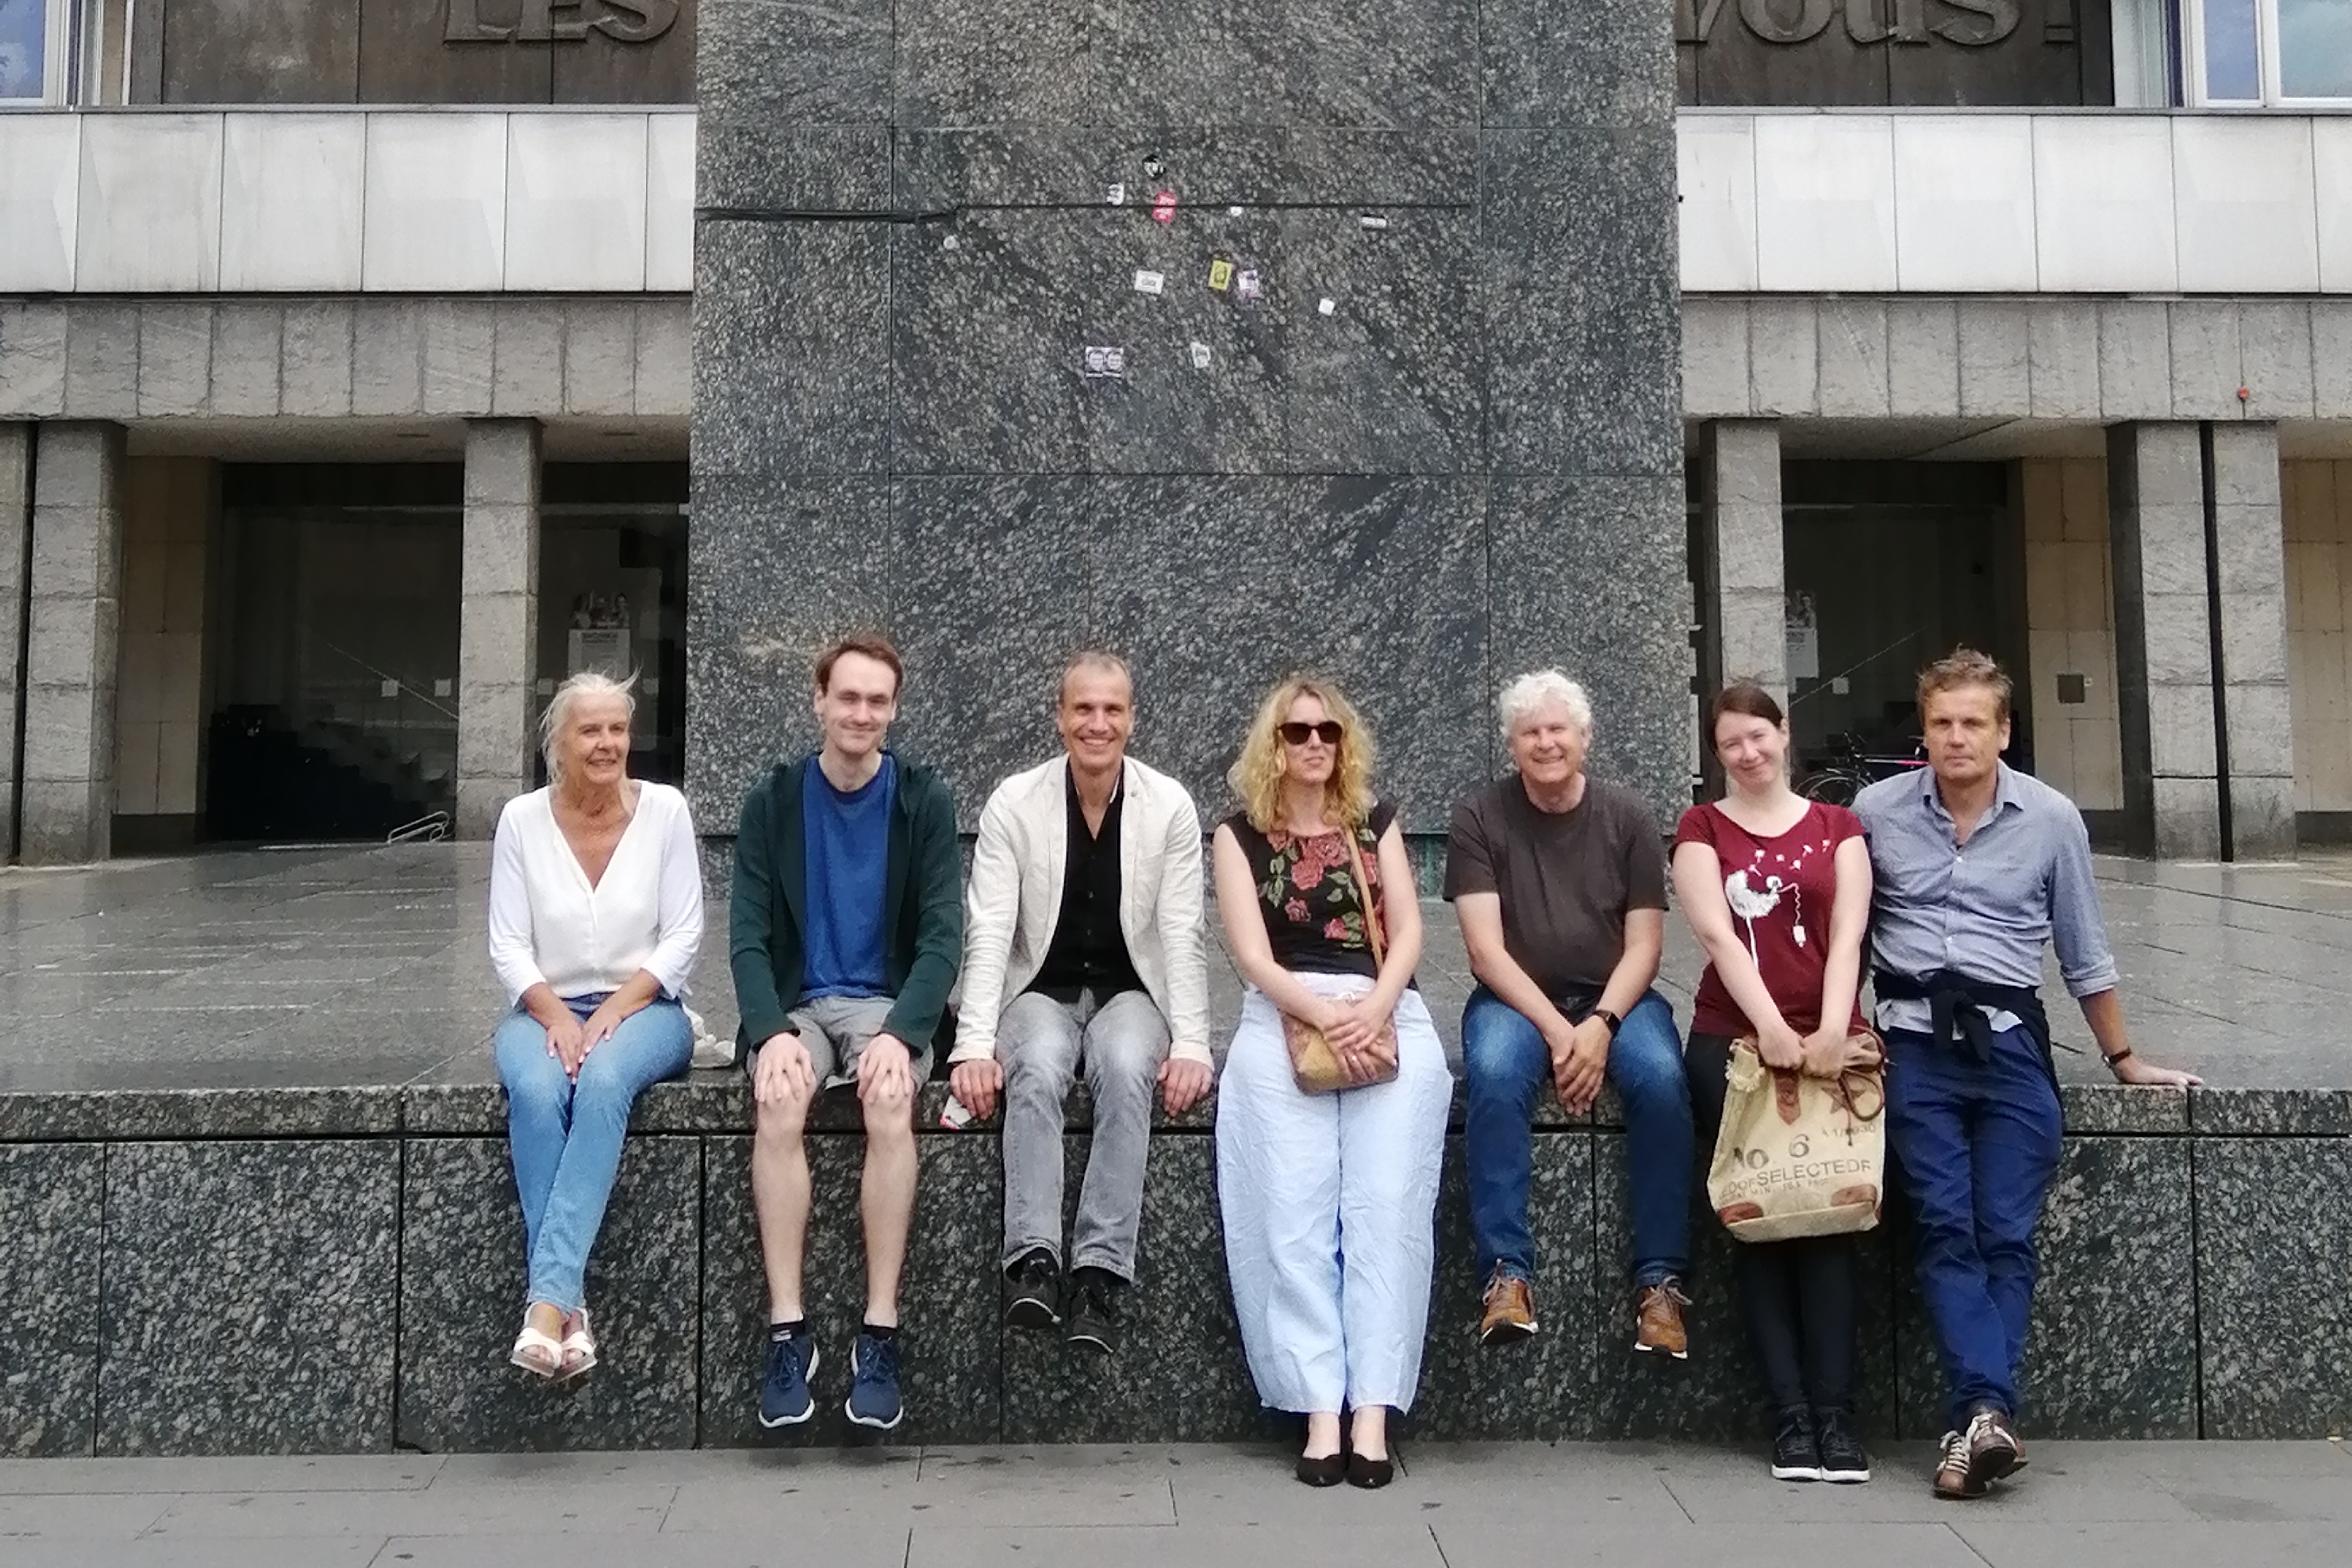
[678, 933]
[2078, 929]
[511, 953]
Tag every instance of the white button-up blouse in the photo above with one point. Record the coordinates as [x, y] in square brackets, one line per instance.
[547, 924]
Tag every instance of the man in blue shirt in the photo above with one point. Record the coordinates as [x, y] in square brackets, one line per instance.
[846, 927]
[1977, 869]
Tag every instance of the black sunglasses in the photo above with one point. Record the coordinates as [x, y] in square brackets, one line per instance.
[1296, 734]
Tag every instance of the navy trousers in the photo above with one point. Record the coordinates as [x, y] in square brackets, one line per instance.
[1976, 1143]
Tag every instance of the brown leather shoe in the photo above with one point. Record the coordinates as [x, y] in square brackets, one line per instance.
[1994, 1451]
[1658, 1320]
[1953, 1480]
[1510, 1314]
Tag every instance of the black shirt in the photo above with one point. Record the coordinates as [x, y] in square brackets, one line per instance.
[1089, 948]
[1306, 891]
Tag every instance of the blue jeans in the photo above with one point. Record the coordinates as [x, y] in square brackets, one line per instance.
[1976, 1143]
[566, 1136]
[1505, 1060]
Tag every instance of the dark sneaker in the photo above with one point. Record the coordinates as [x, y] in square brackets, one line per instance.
[874, 1383]
[1658, 1320]
[1093, 1309]
[1032, 1291]
[785, 1397]
[1842, 1458]
[1796, 1457]
[1994, 1451]
[1507, 1310]
[1952, 1477]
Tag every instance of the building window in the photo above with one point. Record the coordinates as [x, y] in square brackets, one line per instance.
[32, 41]
[2269, 52]
[57, 52]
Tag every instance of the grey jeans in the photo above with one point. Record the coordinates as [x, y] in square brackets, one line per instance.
[1042, 1044]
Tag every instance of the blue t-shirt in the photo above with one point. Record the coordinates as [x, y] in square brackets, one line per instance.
[848, 838]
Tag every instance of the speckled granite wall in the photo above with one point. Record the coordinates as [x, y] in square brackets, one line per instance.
[1441, 444]
[50, 1196]
[2189, 1250]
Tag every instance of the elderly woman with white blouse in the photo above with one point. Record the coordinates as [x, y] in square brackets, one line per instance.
[596, 914]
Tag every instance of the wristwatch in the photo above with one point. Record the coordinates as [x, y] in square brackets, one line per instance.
[1611, 1019]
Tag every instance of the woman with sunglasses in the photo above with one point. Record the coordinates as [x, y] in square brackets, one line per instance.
[1328, 1197]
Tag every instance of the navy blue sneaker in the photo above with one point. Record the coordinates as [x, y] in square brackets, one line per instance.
[874, 1383]
[784, 1396]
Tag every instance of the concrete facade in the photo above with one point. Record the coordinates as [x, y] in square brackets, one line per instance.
[2164, 641]
[2249, 566]
[15, 534]
[1985, 359]
[498, 642]
[73, 646]
[1743, 578]
[373, 357]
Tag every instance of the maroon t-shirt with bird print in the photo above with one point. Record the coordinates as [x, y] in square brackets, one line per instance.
[1780, 890]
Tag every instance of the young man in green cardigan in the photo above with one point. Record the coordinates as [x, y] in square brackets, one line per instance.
[846, 927]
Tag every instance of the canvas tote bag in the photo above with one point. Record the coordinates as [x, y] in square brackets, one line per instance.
[1798, 1155]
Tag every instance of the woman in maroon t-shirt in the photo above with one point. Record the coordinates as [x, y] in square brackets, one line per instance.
[1777, 889]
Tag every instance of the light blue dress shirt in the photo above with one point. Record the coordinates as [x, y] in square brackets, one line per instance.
[1986, 909]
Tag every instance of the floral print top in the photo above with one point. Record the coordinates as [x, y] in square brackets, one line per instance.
[1306, 891]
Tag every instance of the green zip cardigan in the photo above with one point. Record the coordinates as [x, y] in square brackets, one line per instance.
[922, 904]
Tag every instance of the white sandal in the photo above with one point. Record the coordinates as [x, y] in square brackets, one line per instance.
[579, 1342]
[537, 1351]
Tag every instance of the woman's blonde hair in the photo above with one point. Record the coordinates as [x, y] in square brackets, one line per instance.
[1256, 774]
[568, 696]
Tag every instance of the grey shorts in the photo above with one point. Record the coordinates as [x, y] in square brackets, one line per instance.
[835, 1029]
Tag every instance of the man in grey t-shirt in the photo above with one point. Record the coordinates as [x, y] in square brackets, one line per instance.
[1559, 883]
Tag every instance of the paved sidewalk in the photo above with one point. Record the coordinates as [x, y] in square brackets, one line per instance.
[2147, 1505]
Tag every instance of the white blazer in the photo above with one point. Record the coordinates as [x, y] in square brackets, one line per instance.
[1015, 898]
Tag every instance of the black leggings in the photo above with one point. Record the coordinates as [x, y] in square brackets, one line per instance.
[1801, 1297]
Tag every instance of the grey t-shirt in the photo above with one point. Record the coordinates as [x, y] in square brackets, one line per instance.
[1566, 878]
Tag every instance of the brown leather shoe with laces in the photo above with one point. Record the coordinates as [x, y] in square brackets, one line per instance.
[1658, 1320]
[1952, 1477]
[1510, 1310]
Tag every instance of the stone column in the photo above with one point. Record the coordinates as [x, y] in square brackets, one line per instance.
[498, 636]
[1745, 580]
[70, 657]
[15, 518]
[2164, 670]
[2249, 564]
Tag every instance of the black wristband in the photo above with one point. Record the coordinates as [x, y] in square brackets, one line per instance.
[1611, 1019]
[2118, 1059]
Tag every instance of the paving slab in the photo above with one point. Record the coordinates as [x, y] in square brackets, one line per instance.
[366, 965]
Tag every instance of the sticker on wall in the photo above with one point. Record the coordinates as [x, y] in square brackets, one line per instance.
[1246, 286]
[1221, 275]
[1163, 206]
[1114, 194]
[1326, 308]
[1102, 361]
[1149, 282]
[1201, 356]
[950, 243]
[1372, 223]
[1232, 211]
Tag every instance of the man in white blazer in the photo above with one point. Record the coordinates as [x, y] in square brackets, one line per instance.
[1082, 950]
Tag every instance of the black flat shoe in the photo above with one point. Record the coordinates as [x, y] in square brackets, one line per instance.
[1370, 1474]
[1328, 1471]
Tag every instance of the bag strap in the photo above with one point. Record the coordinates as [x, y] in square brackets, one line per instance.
[1365, 896]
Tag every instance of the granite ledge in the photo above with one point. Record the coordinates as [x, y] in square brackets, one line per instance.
[2271, 1112]
[141, 1114]
[717, 1101]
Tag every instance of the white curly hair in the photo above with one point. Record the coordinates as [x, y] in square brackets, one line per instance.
[1537, 689]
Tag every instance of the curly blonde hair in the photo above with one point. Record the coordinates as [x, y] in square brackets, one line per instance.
[1256, 774]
